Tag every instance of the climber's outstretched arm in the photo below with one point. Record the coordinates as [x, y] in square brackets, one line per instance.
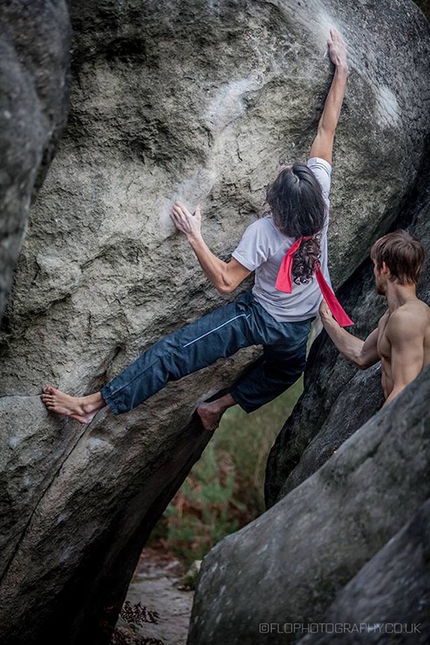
[323, 143]
[360, 353]
[225, 276]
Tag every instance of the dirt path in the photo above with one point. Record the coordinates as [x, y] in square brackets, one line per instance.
[154, 586]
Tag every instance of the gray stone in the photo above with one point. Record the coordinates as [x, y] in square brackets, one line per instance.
[388, 601]
[288, 565]
[34, 62]
[78, 504]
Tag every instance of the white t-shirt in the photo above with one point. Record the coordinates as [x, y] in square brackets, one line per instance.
[262, 249]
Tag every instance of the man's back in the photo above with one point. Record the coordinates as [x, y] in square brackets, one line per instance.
[407, 330]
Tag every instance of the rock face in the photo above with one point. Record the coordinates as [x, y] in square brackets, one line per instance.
[34, 61]
[294, 558]
[390, 595]
[201, 101]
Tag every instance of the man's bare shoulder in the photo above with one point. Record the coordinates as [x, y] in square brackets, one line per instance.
[410, 319]
[415, 308]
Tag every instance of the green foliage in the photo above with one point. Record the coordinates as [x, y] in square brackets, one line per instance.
[248, 439]
[225, 489]
[202, 512]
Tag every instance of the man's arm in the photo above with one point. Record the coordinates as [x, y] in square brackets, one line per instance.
[225, 276]
[360, 353]
[323, 144]
[405, 333]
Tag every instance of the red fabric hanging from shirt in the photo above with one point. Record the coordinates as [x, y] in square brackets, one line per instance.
[284, 283]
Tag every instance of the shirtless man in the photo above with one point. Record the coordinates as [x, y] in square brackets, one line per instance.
[402, 340]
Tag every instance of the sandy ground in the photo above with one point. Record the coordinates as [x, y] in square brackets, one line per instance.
[155, 586]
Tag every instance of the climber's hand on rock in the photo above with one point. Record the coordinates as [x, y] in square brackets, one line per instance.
[337, 48]
[325, 313]
[187, 223]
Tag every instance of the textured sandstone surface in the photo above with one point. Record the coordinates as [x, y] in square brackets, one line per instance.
[200, 101]
[296, 557]
[34, 61]
[390, 594]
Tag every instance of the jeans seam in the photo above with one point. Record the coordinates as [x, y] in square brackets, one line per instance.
[215, 329]
[114, 393]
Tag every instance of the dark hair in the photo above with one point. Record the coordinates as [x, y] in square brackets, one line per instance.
[297, 205]
[403, 255]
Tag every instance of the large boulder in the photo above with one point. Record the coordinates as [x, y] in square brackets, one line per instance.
[199, 101]
[287, 566]
[388, 600]
[34, 62]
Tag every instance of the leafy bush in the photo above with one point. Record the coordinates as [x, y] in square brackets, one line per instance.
[225, 489]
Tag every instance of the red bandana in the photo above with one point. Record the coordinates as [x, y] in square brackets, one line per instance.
[284, 283]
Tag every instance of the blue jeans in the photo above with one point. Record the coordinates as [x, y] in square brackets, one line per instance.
[220, 333]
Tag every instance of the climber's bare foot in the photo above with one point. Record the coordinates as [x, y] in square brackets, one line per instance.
[211, 413]
[83, 409]
[210, 417]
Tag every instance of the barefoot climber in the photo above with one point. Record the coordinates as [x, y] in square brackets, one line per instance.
[402, 340]
[278, 311]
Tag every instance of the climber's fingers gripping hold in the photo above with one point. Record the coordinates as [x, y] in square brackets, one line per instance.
[187, 223]
[336, 47]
